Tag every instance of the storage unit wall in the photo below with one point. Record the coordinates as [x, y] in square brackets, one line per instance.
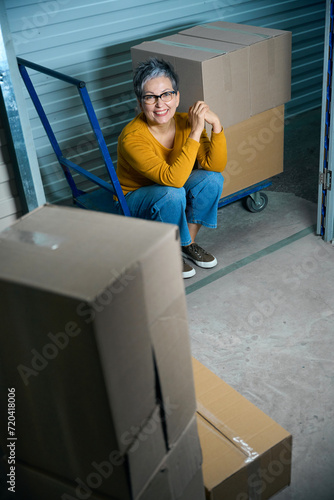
[92, 41]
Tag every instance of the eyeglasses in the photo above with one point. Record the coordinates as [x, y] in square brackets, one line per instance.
[152, 99]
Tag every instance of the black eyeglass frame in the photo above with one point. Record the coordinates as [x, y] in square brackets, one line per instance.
[156, 97]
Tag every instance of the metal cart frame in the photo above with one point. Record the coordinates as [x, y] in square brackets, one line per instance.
[102, 198]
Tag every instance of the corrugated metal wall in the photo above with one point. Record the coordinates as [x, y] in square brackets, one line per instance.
[92, 40]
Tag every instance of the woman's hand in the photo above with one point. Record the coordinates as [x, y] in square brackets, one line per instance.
[198, 114]
[212, 119]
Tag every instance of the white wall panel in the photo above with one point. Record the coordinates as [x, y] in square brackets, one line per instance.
[10, 207]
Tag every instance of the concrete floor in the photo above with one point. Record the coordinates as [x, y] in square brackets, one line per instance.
[263, 319]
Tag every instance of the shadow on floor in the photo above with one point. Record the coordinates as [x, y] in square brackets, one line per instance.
[301, 156]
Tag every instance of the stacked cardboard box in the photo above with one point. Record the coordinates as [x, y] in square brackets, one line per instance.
[255, 150]
[244, 74]
[246, 454]
[95, 343]
[177, 477]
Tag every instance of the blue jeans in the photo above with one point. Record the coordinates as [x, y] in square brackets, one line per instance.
[196, 202]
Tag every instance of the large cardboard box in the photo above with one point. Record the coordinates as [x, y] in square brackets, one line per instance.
[238, 70]
[246, 455]
[95, 342]
[255, 150]
[178, 477]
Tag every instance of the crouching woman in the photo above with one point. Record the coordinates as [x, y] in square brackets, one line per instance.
[157, 152]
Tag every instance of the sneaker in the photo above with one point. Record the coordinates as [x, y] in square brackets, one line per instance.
[201, 257]
[188, 271]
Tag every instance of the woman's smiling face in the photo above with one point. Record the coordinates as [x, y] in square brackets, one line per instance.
[160, 112]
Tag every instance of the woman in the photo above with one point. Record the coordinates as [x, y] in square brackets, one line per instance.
[157, 152]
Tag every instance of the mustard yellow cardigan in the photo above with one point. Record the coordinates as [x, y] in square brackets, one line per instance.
[143, 161]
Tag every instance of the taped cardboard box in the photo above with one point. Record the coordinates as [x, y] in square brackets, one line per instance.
[178, 477]
[238, 70]
[246, 454]
[80, 308]
[255, 150]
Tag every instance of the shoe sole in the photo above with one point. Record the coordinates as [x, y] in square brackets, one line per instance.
[189, 274]
[205, 265]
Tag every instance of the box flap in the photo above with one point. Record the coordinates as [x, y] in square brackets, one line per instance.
[240, 34]
[166, 49]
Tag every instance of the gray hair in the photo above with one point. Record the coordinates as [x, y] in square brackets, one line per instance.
[153, 68]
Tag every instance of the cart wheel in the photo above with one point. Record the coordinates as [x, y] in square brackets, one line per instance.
[256, 207]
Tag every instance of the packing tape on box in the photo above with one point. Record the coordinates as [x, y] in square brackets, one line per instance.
[227, 74]
[228, 433]
[233, 30]
[50, 241]
[188, 46]
[271, 56]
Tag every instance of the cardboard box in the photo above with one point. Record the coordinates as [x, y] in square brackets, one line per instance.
[178, 477]
[33, 484]
[255, 150]
[83, 297]
[184, 463]
[246, 454]
[238, 70]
